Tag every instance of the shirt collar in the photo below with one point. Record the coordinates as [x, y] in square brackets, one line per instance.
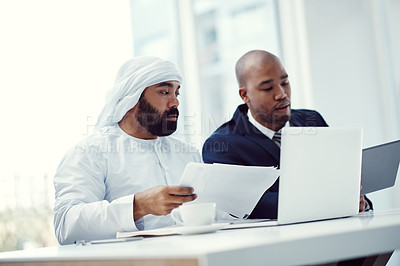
[266, 131]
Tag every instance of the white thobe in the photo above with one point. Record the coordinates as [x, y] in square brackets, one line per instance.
[96, 181]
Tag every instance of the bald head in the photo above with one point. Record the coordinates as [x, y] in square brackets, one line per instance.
[249, 60]
[264, 86]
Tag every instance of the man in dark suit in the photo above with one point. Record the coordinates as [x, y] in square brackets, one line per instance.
[248, 138]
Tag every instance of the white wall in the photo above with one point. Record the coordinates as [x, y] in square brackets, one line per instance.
[344, 60]
[345, 52]
[352, 69]
[58, 59]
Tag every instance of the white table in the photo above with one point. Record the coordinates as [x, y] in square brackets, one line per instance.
[307, 243]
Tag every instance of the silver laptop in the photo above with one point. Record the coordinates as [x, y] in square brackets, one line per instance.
[380, 166]
[320, 176]
[320, 173]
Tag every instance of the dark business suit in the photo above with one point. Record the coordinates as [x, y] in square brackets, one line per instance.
[239, 142]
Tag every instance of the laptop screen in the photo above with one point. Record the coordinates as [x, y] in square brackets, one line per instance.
[320, 173]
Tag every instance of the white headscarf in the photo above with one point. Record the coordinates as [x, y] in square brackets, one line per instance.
[133, 78]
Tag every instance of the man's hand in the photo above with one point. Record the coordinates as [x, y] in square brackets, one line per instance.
[161, 200]
[362, 204]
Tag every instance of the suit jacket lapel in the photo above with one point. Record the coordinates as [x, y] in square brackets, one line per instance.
[247, 130]
[295, 120]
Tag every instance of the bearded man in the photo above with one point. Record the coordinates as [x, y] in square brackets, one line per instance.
[124, 176]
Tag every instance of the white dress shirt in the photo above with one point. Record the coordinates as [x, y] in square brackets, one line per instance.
[96, 181]
[263, 129]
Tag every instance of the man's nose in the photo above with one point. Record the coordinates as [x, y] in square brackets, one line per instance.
[280, 94]
[174, 102]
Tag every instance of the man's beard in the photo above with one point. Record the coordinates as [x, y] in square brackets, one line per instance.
[154, 122]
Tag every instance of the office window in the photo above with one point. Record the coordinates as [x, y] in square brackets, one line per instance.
[58, 59]
[155, 28]
[225, 31]
[218, 33]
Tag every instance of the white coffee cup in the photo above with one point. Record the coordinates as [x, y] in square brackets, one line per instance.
[195, 214]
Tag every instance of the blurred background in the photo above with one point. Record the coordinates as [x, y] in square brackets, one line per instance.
[58, 58]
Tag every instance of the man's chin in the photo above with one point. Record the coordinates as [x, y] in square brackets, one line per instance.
[166, 133]
[282, 119]
[169, 130]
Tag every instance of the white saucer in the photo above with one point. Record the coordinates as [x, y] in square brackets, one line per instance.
[200, 229]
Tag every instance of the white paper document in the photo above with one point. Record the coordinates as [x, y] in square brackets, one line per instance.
[179, 230]
[235, 189]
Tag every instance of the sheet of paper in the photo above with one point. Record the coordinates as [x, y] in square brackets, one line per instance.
[165, 231]
[235, 189]
[251, 224]
[177, 230]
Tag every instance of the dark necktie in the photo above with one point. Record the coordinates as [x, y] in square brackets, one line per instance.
[277, 138]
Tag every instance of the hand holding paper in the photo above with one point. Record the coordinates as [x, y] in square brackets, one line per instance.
[235, 189]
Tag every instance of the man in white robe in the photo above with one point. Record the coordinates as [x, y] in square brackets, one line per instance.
[124, 176]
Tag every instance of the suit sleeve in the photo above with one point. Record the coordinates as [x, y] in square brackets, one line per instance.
[219, 150]
[321, 120]
[267, 206]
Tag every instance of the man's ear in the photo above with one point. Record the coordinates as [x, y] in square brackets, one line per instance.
[243, 95]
